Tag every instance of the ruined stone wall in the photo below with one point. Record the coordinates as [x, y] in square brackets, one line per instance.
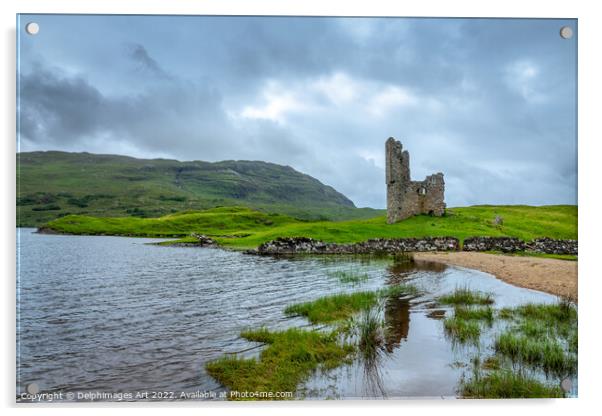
[405, 197]
[305, 245]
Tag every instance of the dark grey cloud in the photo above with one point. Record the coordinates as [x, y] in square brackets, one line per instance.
[56, 108]
[176, 118]
[145, 62]
[490, 102]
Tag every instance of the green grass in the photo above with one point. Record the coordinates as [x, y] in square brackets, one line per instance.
[341, 306]
[544, 353]
[466, 296]
[462, 330]
[541, 335]
[400, 289]
[553, 313]
[349, 276]
[506, 313]
[224, 221]
[333, 308]
[534, 329]
[569, 257]
[250, 228]
[371, 333]
[573, 342]
[466, 313]
[290, 357]
[536, 337]
[491, 363]
[557, 319]
[504, 384]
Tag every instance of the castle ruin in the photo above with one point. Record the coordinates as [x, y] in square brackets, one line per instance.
[406, 197]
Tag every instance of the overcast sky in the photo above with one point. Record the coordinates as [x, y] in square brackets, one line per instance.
[490, 103]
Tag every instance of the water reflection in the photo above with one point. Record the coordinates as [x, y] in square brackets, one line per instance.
[397, 320]
[402, 269]
[436, 314]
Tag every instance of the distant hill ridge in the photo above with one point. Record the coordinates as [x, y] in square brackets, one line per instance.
[52, 184]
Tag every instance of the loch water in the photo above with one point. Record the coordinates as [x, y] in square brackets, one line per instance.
[115, 315]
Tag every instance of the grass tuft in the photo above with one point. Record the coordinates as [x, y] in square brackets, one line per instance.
[370, 328]
[545, 353]
[349, 276]
[333, 308]
[463, 312]
[398, 290]
[466, 296]
[461, 330]
[558, 319]
[291, 357]
[329, 309]
[503, 384]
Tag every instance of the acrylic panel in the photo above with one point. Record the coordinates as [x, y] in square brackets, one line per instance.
[295, 208]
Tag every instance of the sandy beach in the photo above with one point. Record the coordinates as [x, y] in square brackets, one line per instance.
[558, 277]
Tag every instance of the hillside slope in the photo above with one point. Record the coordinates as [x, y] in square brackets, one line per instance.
[54, 184]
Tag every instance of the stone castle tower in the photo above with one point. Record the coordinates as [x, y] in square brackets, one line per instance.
[406, 197]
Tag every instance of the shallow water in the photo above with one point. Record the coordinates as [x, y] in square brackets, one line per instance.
[114, 314]
[419, 360]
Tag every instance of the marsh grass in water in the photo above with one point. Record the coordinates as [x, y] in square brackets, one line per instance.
[533, 329]
[349, 276]
[506, 384]
[290, 357]
[371, 329]
[402, 289]
[545, 353]
[538, 337]
[474, 313]
[491, 363]
[555, 313]
[466, 296]
[556, 321]
[464, 325]
[333, 308]
[462, 330]
[505, 313]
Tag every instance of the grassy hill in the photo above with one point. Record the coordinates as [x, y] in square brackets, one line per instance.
[241, 228]
[55, 184]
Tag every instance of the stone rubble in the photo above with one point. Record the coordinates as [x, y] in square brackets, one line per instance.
[551, 246]
[504, 244]
[306, 245]
[203, 240]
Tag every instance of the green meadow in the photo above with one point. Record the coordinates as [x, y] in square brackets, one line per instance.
[244, 228]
